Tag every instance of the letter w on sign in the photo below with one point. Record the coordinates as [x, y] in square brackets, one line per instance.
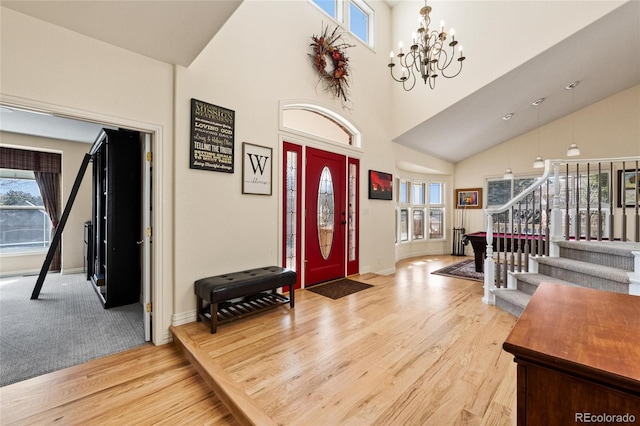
[258, 162]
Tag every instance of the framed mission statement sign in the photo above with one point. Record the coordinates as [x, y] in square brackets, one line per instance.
[212, 137]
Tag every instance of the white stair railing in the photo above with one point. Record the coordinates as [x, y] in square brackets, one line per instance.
[582, 208]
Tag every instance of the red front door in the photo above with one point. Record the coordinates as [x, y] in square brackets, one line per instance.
[326, 216]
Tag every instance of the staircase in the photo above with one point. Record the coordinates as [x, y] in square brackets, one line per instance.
[603, 265]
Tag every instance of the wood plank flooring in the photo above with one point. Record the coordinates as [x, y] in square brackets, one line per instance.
[146, 385]
[415, 349]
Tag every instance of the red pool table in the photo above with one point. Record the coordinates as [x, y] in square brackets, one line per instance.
[479, 242]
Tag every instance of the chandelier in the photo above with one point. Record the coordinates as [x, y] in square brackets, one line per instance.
[428, 56]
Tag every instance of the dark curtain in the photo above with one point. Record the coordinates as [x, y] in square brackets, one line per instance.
[47, 167]
[49, 185]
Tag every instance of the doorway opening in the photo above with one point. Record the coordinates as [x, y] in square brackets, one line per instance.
[149, 136]
[320, 201]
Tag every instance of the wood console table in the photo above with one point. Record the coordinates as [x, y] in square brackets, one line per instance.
[578, 356]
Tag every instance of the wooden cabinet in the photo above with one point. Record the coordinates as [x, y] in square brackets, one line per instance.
[116, 221]
[578, 353]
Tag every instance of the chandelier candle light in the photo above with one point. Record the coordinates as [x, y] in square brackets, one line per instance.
[428, 54]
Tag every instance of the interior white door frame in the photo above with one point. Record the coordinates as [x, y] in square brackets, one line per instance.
[160, 267]
[146, 235]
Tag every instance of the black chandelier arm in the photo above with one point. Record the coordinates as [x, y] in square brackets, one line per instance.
[461, 59]
[431, 54]
[431, 81]
[442, 64]
[414, 55]
[404, 80]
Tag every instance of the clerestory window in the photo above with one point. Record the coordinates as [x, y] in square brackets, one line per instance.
[355, 15]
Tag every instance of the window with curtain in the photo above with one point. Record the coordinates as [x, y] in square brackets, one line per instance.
[24, 171]
[24, 222]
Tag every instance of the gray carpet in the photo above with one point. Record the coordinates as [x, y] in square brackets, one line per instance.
[65, 326]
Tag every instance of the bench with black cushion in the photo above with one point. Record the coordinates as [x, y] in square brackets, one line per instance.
[256, 289]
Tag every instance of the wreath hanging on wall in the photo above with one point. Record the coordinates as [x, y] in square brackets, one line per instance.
[331, 62]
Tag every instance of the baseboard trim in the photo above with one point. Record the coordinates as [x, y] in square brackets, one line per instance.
[183, 318]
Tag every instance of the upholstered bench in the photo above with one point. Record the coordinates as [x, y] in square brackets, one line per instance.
[256, 289]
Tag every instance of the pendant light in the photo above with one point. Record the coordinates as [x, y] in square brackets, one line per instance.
[539, 162]
[508, 173]
[573, 150]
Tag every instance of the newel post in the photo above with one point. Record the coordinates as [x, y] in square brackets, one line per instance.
[634, 277]
[489, 266]
[556, 215]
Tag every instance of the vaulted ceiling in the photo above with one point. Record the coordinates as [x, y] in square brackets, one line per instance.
[607, 53]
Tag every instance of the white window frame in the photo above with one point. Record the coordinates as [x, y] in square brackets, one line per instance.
[411, 206]
[26, 175]
[368, 11]
[343, 12]
[436, 206]
[400, 207]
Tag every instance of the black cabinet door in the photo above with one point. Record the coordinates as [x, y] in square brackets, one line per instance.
[118, 191]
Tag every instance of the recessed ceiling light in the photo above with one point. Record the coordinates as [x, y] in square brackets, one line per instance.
[508, 116]
[538, 102]
[572, 85]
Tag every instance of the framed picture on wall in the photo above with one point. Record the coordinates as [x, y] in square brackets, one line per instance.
[469, 198]
[256, 169]
[628, 187]
[380, 185]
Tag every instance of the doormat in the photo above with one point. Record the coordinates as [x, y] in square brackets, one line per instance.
[465, 269]
[339, 288]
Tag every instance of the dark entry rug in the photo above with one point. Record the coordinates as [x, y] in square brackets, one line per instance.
[339, 288]
[465, 269]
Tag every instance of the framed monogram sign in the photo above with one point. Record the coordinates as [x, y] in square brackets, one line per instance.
[256, 169]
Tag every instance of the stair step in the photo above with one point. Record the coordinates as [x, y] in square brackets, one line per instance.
[528, 282]
[511, 300]
[616, 254]
[601, 265]
[585, 268]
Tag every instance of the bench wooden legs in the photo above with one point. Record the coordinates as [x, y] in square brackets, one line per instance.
[291, 296]
[213, 314]
[213, 311]
[249, 306]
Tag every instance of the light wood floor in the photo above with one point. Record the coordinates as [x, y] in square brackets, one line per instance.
[415, 349]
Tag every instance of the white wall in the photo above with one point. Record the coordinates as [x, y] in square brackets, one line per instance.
[73, 235]
[607, 129]
[512, 33]
[410, 166]
[49, 68]
[228, 230]
[203, 224]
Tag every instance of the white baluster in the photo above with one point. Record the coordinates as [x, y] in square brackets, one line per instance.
[489, 266]
[556, 215]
